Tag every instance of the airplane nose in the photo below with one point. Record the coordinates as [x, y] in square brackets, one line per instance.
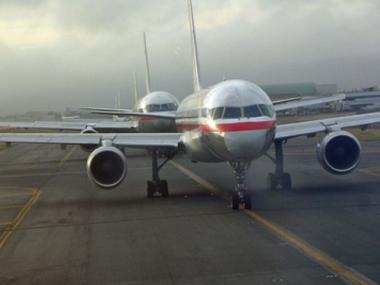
[247, 145]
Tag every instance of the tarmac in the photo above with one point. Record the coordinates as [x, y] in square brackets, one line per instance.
[56, 227]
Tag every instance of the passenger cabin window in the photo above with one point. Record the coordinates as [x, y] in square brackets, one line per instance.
[218, 113]
[252, 111]
[232, 113]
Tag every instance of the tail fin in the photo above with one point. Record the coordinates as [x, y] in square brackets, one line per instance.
[135, 86]
[117, 101]
[148, 90]
[194, 48]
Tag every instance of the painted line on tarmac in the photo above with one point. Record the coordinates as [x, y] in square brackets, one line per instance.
[9, 229]
[5, 223]
[35, 194]
[66, 157]
[346, 273]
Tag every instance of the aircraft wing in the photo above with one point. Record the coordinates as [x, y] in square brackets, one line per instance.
[158, 115]
[282, 101]
[67, 126]
[310, 128]
[105, 109]
[72, 126]
[123, 140]
[293, 104]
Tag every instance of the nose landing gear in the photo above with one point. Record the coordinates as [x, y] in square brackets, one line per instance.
[240, 195]
[279, 177]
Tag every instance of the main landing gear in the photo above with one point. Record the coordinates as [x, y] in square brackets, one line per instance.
[156, 185]
[279, 178]
[240, 195]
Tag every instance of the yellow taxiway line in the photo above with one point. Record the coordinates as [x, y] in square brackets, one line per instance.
[66, 157]
[346, 273]
[10, 228]
[35, 194]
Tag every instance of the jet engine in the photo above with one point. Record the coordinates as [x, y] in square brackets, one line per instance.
[107, 167]
[88, 147]
[339, 152]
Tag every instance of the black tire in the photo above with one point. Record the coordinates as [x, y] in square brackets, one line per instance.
[272, 181]
[247, 202]
[235, 201]
[286, 181]
[164, 188]
[150, 189]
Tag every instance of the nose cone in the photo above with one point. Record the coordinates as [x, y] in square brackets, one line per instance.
[248, 145]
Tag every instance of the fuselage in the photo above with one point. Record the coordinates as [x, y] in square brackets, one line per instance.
[231, 121]
[158, 101]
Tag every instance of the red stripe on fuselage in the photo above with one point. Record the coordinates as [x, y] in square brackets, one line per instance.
[229, 127]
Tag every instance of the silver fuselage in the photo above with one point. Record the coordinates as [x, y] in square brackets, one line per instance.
[226, 136]
[158, 101]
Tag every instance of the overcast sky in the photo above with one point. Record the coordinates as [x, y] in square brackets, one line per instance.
[71, 53]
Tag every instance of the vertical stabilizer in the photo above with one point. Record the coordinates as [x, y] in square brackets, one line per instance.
[194, 49]
[148, 90]
[135, 86]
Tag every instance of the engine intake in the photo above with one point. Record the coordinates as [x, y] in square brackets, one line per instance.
[107, 167]
[88, 147]
[339, 152]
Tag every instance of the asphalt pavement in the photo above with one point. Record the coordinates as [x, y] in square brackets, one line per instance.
[56, 227]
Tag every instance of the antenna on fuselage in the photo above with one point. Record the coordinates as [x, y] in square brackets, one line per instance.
[194, 49]
[147, 82]
[135, 87]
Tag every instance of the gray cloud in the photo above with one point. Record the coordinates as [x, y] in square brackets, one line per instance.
[55, 54]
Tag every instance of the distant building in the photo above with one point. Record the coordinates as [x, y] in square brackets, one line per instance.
[305, 89]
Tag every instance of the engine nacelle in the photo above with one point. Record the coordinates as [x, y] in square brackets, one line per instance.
[88, 147]
[339, 152]
[107, 167]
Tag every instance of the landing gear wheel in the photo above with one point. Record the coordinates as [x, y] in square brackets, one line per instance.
[164, 188]
[272, 181]
[286, 181]
[235, 201]
[150, 189]
[247, 202]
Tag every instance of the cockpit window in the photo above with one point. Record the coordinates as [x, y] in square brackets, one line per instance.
[252, 111]
[266, 110]
[168, 107]
[217, 113]
[232, 112]
[153, 108]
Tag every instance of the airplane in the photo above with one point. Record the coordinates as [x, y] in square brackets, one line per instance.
[152, 102]
[233, 121]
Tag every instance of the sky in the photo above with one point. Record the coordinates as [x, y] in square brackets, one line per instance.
[71, 53]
